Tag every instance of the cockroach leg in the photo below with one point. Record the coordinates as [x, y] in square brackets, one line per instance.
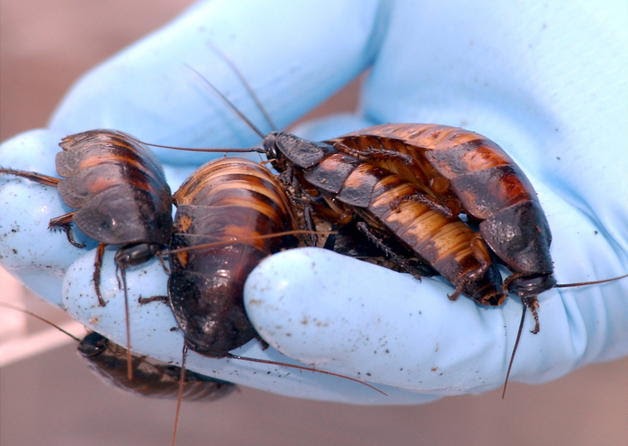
[147, 300]
[64, 223]
[532, 304]
[423, 199]
[380, 244]
[40, 178]
[100, 251]
[372, 153]
[457, 291]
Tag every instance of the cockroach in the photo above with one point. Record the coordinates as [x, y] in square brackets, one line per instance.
[151, 379]
[356, 188]
[119, 196]
[227, 199]
[473, 176]
[231, 214]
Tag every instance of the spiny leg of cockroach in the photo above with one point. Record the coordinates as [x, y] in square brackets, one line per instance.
[530, 302]
[64, 223]
[380, 244]
[372, 153]
[100, 252]
[421, 198]
[482, 255]
[147, 300]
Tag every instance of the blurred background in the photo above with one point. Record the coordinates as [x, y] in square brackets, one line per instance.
[51, 396]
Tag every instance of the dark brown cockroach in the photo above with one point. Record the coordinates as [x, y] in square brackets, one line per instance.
[119, 196]
[355, 188]
[227, 199]
[472, 175]
[225, 212]
[151, 379]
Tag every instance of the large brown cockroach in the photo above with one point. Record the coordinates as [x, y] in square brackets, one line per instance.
[119, 196]
[415, 180]
[234, 201]
[420, 182]
[471, 175]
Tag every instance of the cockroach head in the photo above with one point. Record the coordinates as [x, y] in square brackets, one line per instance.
[532, 285]
[285, 148]
[270, 148]
[93, 345]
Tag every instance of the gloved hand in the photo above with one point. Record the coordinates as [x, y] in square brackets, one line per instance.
[544, 81]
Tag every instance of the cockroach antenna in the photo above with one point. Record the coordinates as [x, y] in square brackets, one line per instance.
[227, 101]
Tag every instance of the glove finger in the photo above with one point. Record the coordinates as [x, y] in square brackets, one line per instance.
[149, 90]
[356, 318]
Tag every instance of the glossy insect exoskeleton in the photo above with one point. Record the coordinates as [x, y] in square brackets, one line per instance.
[118, 194]
[229, 205]
[354, 187]
[474, 176]
[150, 379]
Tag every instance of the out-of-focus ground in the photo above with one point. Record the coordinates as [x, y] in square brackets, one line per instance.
[53, 398]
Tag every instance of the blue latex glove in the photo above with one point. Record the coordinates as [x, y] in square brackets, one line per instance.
[546, 81]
